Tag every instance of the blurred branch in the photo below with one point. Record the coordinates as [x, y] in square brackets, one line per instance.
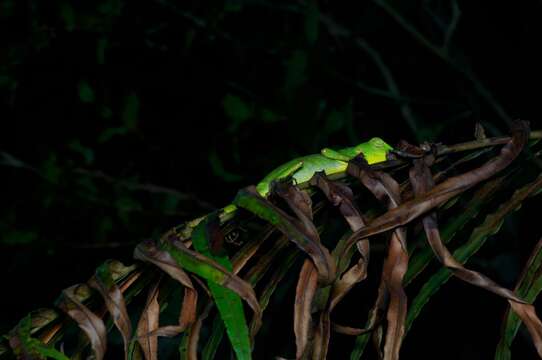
[194, 20]
[338, 30]
[151, 188]
[456, 15]
[405, 108]
[442, 53]
[9, 160]
[383, 92]
[447, 27]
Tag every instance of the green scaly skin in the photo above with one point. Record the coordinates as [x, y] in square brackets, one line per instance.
[301, 170]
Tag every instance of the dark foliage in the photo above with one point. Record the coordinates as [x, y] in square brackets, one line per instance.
[123, 119]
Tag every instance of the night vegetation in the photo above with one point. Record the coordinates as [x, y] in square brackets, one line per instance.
[128, 126]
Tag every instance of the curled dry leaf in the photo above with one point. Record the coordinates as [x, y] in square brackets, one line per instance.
[90, 323]
[148, 324]
[444, 191]
[342, 196]
[376, 317]
[422, 182]
[148, 251]
[41, 319]
[386, 190]
[301, 204]
[211, 270]
[304, 296]
[347, 330]
[339, 195]
[26, 347]
[119, 272]
[295, 229]
[529, 286]
[322, 334]
[422, 258]
[394, 270]
[299, 201]
[188, 348]
[307, 285]
[479, 235]
[103, 282]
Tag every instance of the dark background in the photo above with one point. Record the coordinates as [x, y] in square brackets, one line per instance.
[121, 119]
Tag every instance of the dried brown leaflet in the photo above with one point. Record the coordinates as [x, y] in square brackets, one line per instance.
[299, 231]
[321, 270]
[189, 344]
[148, 251]
[123, 276]
[386, 189]
[422, 182]
[148, 323]
[210, 269]
[307, 285]
[103, 282]
[91, 324]
[340, 195]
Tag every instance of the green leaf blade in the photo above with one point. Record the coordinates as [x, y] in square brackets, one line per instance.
[228, 302]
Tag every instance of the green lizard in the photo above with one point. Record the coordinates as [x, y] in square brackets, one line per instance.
[330, 161]
[301, 170]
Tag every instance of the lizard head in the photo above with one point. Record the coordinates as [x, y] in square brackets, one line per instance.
[380, 144]
[374, 150]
